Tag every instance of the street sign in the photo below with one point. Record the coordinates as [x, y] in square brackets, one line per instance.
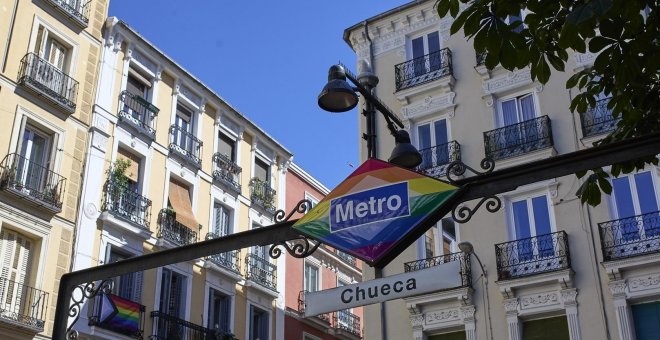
[373, 209]
[446, 275]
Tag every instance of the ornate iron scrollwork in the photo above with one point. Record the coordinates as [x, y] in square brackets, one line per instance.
[85, 292]
[464, 214]
[300, 247]
[458, 168]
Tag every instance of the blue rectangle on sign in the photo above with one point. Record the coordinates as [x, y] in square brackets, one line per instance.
[369, 206]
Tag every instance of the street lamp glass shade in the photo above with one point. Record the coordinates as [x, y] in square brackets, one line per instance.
[405, 154]
[466, 247]
[337, 95]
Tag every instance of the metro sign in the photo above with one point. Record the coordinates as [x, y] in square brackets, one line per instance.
[374, 209]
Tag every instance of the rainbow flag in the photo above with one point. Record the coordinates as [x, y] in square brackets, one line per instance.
[373, 209]
[120, 315]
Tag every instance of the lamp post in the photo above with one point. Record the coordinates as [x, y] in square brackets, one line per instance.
[339, 96]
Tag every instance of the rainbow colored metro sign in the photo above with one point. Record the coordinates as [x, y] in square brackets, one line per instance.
[373, 209]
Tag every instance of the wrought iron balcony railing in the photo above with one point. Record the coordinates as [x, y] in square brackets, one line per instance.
[45, 79]
[32, 181]
[77, 9]
[630, 236]
[186, 145]
[347, 258]
[173, 231]
[167, 327]
[423, 69]
[533, 255]
[347, 321]
[23, 305]
[137, 113]
[326, 317]
[129, 319]
[262, 195]
[466, 274]
[598, 119]
[261, 271]
[127, 204]
[518, 139]
[436, 159]
[227, 172]
[229, 260]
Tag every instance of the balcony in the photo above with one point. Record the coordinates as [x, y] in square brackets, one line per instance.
[227, 172]
[533, 255]
[466, 274]
[423, 69]
[167, 327]
[23, 306]
[261, 271]
[345, 321]
[119, 315]
[44, 79]
[518, 139]
[630, 236]
[262, 195]
[186, 145]
[436, 159]
[74, 9]
[126, 204]
[172, 231]
[323, 319]
[137, 113]
[228, 260]
[346, 258]
[32, 182]
[598, 119]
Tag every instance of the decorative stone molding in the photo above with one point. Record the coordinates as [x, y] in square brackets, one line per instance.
[429, 105]
[150, 65]
[417, 320]
[539, 300]
[511, 306]
[569, 297]
[99, 141]
[647, 282]
[467, 313]
[583, 60]
[118, 40]
[441, 316]
[100, 123]
[177, 87]
[185, 91]
[129, 52]
[618, 288]
[507, 81]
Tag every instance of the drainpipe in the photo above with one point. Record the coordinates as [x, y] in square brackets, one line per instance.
[9, 35]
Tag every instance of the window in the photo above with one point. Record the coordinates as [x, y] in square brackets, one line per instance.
[344, 317]
[35, 159]
[128, 286]
[222, 222]
[261, 170]
[136, 84]
[460, 335]
[132, 173]
[172, 294]
[260, 251]
[179, 200]
[429, 244]
[546, 329]
[313, 201]
[516, 110]
[219, 310]
[227, 146]
[531, 218]
[16, 252]
[183, 121]
[433, 134]
[52, 49]
[258, 324]
[635, 195]
[425, 45]
[311, 278]
[448, 235]
[646, 317]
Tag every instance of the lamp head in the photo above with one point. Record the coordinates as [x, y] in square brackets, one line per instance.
[466, 247]
[337, 95]
[405, 154]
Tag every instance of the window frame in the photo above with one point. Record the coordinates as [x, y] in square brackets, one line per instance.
[72, 46]
[499, 119]
[184, 299]
[307, 279]
[424, 34]
[530, 212]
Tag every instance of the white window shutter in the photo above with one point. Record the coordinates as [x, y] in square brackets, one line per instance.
[137, 287]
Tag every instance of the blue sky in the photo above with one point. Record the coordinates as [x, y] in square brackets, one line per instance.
[269, 59]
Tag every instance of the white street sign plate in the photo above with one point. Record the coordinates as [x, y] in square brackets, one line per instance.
[446, 275]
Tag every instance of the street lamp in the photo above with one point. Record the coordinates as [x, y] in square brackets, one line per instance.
[339, 96]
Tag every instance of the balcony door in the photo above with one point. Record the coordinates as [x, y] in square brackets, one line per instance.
[259, 320]
[184, 122]
[34, 160]
[55, 53]
[172, 294]
[532, 226]
[16, 252]
[432, 141]
[635, 195]
[512, 112]
[421, 46]
[127, 286]
[219, 311]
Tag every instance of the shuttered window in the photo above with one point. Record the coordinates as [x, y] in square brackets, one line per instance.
[133, 170]
[258, 324]
[219, 310]
[172, 289]
[128, 286]
[222, 220]
[179, 199]
[546, 329]
[136, 86]
[16, 252]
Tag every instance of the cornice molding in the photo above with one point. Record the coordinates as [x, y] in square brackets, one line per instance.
[430, 105]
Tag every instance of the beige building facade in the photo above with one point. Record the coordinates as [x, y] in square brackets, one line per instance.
[552, 267]
[171, 163]
[49, 52]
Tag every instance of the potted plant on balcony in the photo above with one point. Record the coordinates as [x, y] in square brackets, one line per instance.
[118, 182]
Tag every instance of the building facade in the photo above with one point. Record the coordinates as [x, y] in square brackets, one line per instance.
[552, 267]
[49, 58]
[326, 268]
[171, 163]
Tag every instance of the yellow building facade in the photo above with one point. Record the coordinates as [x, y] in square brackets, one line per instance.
[171, 163]
[49, 52]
